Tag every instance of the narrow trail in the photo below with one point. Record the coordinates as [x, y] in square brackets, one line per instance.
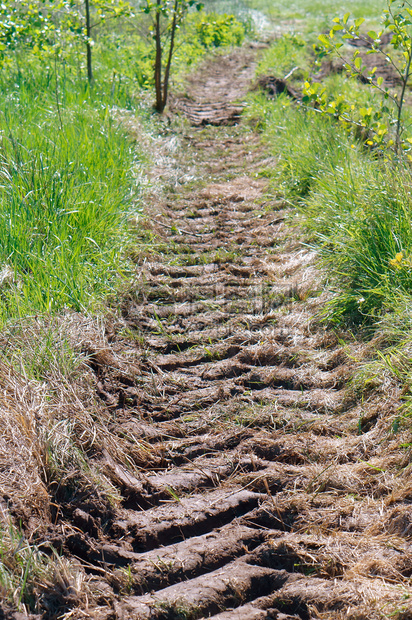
[260, 493]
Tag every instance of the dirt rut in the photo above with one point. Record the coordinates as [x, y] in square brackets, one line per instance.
[260, 492]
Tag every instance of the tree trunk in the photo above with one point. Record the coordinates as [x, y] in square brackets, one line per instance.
[88, 44]
[169, 60]
[160, 105]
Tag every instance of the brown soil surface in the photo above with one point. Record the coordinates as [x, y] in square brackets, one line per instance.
[261, 487]
[230, 77]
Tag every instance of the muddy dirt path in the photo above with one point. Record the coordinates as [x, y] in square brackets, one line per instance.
[261, 492]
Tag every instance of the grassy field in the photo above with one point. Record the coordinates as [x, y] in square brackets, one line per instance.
[307, 13]
[65, 194]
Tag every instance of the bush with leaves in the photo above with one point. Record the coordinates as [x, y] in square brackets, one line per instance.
[50, 26]
[383, 125]
[220, 31]
[78, 20]
[23, 23]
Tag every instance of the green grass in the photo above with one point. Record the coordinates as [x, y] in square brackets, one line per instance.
[361, 217]
[355, 206]
[67, 179]
[21, 566]
[302, 140]
[64, 196]
[66, 186]
[305, 15]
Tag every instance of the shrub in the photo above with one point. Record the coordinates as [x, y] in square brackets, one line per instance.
[220, 30]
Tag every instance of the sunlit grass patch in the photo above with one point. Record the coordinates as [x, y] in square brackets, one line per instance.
[305, 15]
[354, 205]
[64, 196]
[302, 141]
[366, 217]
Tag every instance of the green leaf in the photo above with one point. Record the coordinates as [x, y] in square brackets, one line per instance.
[358, 63]
[372, 34]
[379, 81]
[346, 17]
[359, 22]
[323, 38]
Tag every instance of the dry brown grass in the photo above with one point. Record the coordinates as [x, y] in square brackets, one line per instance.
[54, 434]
